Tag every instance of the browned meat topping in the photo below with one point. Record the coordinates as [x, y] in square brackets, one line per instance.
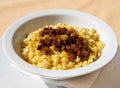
[65, 40]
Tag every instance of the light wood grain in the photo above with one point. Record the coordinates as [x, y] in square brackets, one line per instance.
[107, 10]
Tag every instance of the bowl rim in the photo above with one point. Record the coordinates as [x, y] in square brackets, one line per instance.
[55, 74]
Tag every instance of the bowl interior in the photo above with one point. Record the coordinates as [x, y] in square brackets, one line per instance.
[36, 23]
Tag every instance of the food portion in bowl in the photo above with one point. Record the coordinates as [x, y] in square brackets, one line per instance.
[62, 47]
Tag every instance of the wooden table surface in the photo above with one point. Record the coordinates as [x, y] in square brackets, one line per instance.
[107, 10]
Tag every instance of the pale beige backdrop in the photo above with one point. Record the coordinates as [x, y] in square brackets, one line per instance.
[107, 10]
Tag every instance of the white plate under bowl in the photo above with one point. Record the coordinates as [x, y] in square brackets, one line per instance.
[11, 42]
[12, 78]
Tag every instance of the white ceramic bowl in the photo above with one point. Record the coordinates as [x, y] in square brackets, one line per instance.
[15, 34]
